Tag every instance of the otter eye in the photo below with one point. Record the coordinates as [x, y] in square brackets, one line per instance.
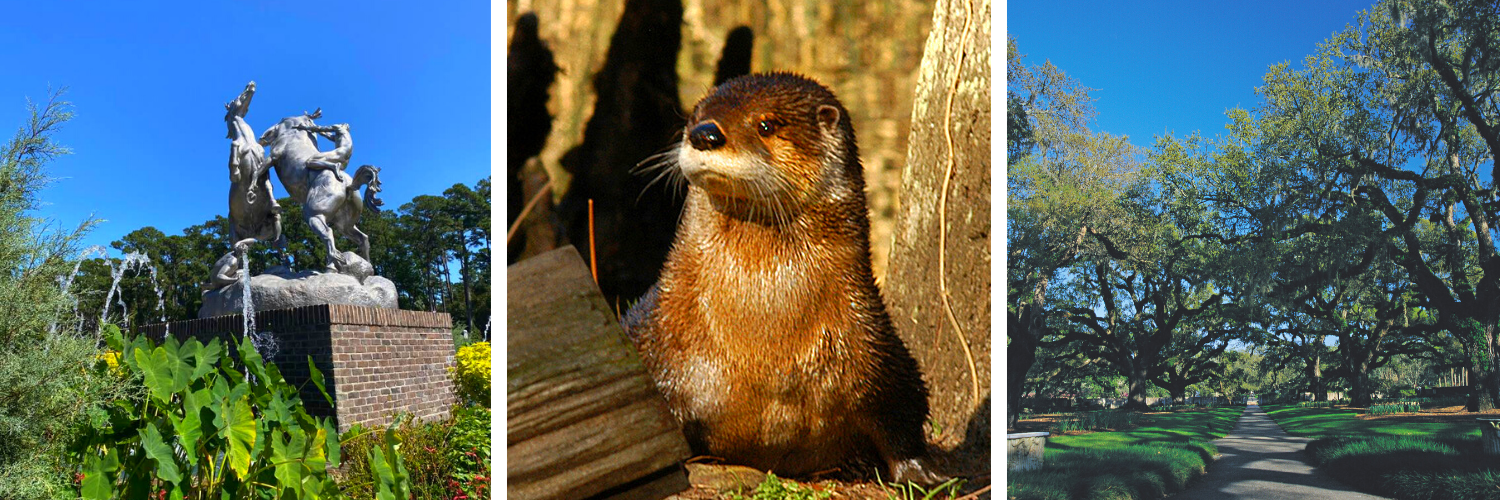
[768, 127]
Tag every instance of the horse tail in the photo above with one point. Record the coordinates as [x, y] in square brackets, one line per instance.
[369, 177]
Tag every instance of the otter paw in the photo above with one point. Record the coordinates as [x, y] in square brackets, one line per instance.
[914, 470]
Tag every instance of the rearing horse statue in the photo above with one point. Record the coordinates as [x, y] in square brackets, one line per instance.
[330, 199]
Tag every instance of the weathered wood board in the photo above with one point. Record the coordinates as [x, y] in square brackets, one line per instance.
[584, 416]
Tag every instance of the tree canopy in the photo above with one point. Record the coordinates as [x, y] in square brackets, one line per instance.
[1342, 225]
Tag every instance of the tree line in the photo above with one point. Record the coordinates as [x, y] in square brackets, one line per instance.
[1344, 224]
[435, 248]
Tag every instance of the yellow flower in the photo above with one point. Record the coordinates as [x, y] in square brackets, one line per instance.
[471, 378]
[111, 358]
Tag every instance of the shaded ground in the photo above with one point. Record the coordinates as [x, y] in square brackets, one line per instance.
[1258, 460]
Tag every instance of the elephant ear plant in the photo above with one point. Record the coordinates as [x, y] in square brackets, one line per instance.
[208, 425]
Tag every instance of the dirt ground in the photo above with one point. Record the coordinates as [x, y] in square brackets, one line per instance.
[716, 481]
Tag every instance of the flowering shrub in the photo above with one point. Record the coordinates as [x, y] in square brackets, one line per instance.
[447, 459]
[471, 377]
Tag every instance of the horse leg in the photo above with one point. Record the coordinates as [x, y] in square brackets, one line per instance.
[359, 237]
[319, 225]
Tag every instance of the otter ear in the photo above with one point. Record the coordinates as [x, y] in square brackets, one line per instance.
[828, 118]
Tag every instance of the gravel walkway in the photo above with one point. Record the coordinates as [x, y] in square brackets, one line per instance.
[1261, 461]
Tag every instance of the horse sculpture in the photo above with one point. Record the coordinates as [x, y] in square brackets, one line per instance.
[253, 212]
[330, 199]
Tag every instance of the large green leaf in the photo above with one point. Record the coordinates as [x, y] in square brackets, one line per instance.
[385, 478]
[161, 452]
[237, 427]
[204, 357]
[189, 430]
[113, 338]
[177, 367]
[254, 364]
[98, 476]
[332, 437]
[288, 470]
[317, 379]
[153, 365]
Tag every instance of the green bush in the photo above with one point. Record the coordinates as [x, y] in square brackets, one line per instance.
[46, 389]
[471, 375]
[1394, 408]
[1149, 471]
[1095, 421]
[1409, 467]
[447, 459]
[1481, 485]
[199, 427]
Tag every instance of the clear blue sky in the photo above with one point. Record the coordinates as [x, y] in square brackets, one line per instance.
[1173, 67]
[149, 82]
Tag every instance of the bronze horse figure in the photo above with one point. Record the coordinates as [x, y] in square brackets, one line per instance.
[330, 199]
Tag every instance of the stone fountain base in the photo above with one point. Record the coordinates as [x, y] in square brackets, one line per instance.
[283, 289]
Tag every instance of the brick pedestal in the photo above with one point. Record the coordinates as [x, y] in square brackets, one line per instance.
[376, 362]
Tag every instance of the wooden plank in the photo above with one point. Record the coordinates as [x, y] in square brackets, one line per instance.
[584, 416]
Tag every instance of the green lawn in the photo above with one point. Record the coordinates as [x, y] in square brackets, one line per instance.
[1391, 457]
[1318, 423]
[1158, 458]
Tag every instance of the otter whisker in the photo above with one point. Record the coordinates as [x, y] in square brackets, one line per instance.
[665, 163]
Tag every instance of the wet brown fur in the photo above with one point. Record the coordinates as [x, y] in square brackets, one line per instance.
[766, 332]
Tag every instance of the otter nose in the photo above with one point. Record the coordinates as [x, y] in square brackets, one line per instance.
[706, 136]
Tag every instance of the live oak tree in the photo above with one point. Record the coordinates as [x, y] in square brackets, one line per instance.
[1397, 116]
[1063, 182]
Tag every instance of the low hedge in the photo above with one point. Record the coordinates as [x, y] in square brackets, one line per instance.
[1159, 458]
[1410, 467]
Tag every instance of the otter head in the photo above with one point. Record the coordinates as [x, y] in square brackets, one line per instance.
[292, 125]
[764, 146]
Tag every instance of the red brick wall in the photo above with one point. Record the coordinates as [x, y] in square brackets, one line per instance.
[376, 362]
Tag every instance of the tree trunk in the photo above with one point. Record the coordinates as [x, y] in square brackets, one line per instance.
[463, 275]
[1315, 379]
[1138, 385]
[1484, 378]
[937, 284]
[1179, 393]
[1359, 388]
[1019, 355]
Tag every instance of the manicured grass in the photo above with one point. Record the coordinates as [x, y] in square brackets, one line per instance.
[1405, 460]
[1156, 459]
[1319, 423]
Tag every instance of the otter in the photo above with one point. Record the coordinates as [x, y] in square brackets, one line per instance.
[765, 331]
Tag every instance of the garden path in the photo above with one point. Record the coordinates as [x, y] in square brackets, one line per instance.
[1261, 461]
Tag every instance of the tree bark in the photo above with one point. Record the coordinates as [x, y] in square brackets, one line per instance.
[1020, 354]
[1359, 388]
[463, 275]
[938, 284]
[1179, 393]
[1483, 376]
[1139, 383]
[1315, 379]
